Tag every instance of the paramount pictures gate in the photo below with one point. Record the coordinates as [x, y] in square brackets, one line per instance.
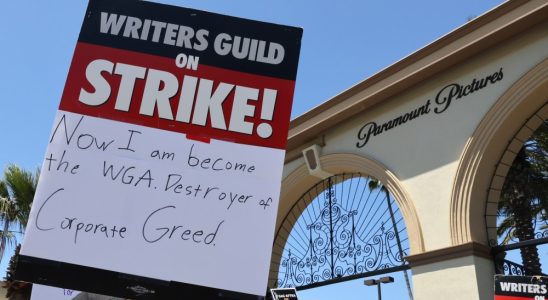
[345, 227]
[439, 130]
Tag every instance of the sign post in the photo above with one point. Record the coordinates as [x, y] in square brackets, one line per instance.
[163, 170]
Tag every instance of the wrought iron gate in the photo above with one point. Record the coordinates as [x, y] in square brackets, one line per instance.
[345, 227]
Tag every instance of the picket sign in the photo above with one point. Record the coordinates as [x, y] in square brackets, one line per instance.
[164, 163]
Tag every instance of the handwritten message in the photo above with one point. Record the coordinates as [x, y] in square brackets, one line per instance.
[109, 190]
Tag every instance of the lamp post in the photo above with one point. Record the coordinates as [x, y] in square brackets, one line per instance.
[377, 282]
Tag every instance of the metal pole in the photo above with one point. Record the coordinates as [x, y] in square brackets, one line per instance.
[397, 240]
[379, 290]
[331, 227]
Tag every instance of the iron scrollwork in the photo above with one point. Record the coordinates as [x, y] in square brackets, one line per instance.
[511, 268]
[336, 248]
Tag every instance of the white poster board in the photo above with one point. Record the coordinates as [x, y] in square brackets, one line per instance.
[44, 292]
[165, 157]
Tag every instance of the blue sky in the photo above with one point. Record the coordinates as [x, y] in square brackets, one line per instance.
[344, 42]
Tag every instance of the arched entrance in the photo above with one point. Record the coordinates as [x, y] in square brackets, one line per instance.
[517, 224]
[487, 158]
[345, 227]
[479, 175]
[299, 189]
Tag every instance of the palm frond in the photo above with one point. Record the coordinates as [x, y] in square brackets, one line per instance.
[22, 185]
[17, 190]
[4, 193]
[375, 184]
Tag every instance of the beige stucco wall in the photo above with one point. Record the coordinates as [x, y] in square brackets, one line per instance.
[470, 276]
[424, 153]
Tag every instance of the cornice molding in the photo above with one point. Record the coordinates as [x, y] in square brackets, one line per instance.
[444, 254]
[476, 36]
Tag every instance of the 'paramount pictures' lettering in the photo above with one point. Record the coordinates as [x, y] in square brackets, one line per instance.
[444, 99]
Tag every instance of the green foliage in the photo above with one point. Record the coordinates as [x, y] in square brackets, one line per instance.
[375, 184]
[17, 190]
[524, 196]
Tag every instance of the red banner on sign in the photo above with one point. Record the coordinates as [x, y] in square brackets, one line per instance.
[208, 102]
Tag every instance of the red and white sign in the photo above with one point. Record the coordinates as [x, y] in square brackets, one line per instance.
[521, 287]
[166, 155]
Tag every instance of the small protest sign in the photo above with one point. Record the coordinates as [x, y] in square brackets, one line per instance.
[284, 294]
[521, 287]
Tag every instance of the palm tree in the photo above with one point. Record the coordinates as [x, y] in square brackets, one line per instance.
[16, 194]
[524, 200]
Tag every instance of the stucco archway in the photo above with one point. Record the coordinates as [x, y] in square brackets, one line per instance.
[299, 181]
[486, 147]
